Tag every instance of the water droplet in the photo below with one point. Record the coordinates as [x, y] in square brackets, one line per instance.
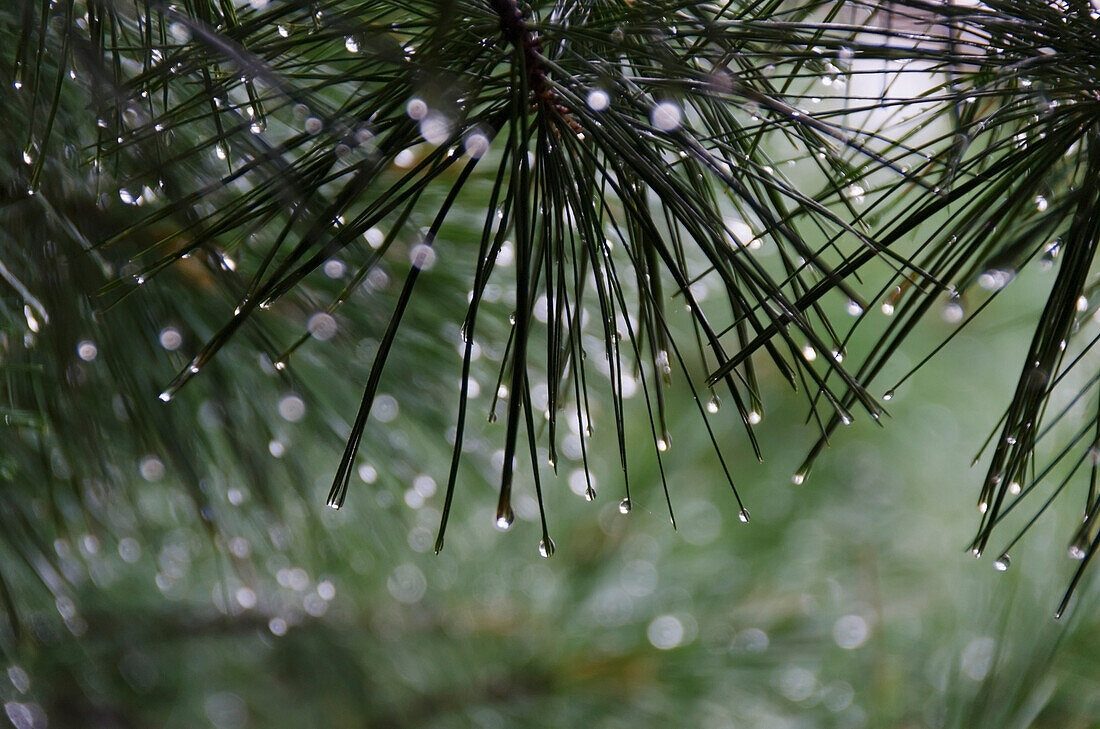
[1046, 261]
[1040, 203]
[713, 404]
[953, 312]
[436, 128]
[165, 396]
[546, 548]
[665, 116]
[664, 442]
[754, 417]
[588, 431]
[505, 519]
[744, 516]
[1077, 550]
[1002, 563]
[598, 100]
[887, 308]
[351, 45]
[170, 338]
[983, 507]
[27, 159]
[322, 326]
[476, 145]
[995, 279]
[888, 395]
[799, 478]
[625, 506]
[590, 494]
[87, 350]
[417, 108]
[853, 308]
[422, 256]
[1014, 488]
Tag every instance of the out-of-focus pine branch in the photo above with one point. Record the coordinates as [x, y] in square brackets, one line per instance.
[577, 174]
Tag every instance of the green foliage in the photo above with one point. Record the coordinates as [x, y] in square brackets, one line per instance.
[581, 218]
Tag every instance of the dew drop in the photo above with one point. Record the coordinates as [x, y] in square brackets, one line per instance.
[351, 45]
[799, 478]
[598, 100]
[744, 516]
[165, 396]
[476, 145]
[853, 308]
[625, 506]
[422, 256]
[888, 395]
[664, 442]
[665, 116]
[887, 308]
[546, 548]
[1077, 550]
[953, 312]
[505, 520]
[995, 279]
[590, 494]
[713, 404]
[1041, 203]
[983, 507]
[1002, 563]
[754, 417]
[87, 350]
[417, 108]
